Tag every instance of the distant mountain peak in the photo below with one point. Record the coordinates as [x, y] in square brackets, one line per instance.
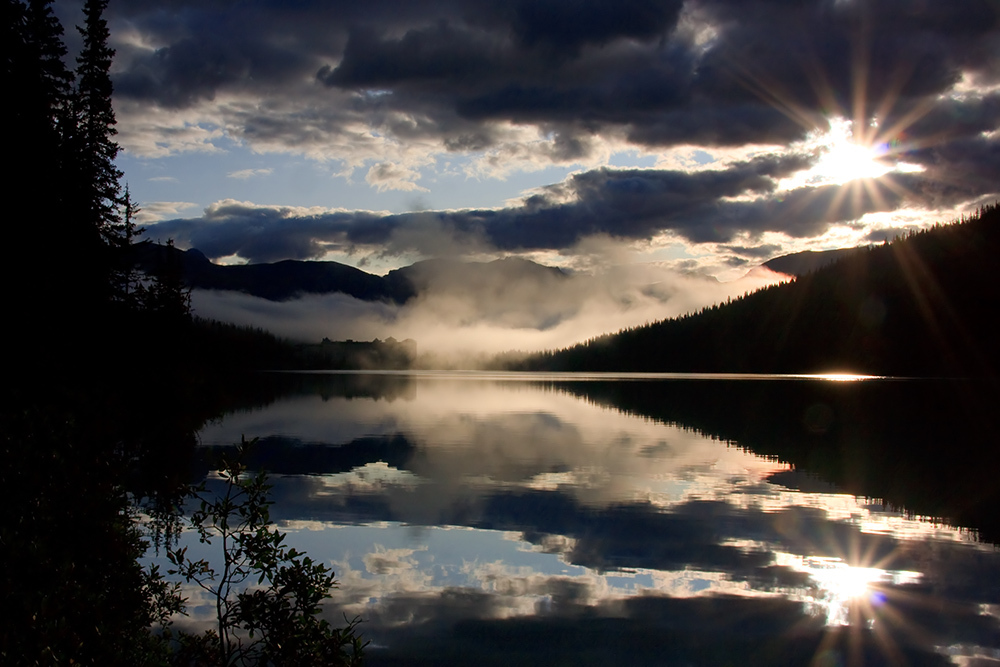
[292, 278]
[801, 263]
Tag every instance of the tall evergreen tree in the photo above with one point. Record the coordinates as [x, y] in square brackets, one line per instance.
[61, 128]
[44, 85]
[96, 124]
[38, 119]
[19, 68]
[63, 139]
[127, 284]
[91, 233]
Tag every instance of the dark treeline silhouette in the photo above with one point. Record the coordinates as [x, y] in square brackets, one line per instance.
[72, 295]
[209, 351]
[361, 355]
[924, 304]
[924, 446]
[104, 392]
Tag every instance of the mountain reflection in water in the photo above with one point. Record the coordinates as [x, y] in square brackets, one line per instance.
[511, 520]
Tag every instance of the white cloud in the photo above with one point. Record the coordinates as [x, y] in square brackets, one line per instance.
[244, 174]
[388, 176]
[161, 210]
[149, 131]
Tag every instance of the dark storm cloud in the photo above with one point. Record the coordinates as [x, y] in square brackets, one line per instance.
[436, 52]
[195, 67]
[334, 79]
[627, 204]
[961, 169]
[722, 125]
[767, 72]
[801, 213]
[798, 52]
[637, 204]
[701, 207]
[756, 252]
[259, 234]
[569, 24]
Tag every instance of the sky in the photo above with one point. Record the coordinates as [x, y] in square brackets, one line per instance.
[701, 137]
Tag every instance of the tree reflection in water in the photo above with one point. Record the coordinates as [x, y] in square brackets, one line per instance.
[660, 522]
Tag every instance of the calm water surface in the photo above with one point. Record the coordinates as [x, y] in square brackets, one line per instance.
[510, 519]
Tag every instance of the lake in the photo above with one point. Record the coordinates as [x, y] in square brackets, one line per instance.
[477, 518]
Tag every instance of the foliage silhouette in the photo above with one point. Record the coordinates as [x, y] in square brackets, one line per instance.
[72, 585]
[80, 449]
[62, 127]
[93, 131]
[277, 624]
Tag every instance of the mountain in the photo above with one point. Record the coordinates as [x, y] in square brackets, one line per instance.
[478, 277]
[291, 278]
[801, 263]
[925, 304]
[276, 282]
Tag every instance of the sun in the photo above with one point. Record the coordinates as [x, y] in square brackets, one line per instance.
[842, 158]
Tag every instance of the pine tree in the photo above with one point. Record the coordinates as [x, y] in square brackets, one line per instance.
[91, 234]
[38, 119]
[96, 124]
[127, 285]
[46, 83]
[167, 298]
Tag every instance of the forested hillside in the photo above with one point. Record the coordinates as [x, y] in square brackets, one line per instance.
[925, 304]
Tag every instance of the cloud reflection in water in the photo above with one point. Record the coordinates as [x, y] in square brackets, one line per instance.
[519, 510]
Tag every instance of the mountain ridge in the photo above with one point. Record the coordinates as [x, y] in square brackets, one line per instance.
[801, 263]
[288, 279]
[923, 304]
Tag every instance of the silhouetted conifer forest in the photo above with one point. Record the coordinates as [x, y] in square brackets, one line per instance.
[74, 295]
[97, 420]
[922, 305]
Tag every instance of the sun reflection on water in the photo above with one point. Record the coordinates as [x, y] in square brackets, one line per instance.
[839, 376]
[841, 587]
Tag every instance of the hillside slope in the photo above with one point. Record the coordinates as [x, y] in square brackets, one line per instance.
[926, 304]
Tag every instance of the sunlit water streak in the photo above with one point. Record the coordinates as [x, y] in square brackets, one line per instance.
[577, 376]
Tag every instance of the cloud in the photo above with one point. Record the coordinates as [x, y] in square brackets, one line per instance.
[465, 312]
[448, 71]
[598, 532]
[155, 211]
[737, 202]
[244, 174]
[394, 92]
[259, 233]
[629, 204]
[388, 176]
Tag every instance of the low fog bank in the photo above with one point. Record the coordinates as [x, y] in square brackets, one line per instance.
[461, 320]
